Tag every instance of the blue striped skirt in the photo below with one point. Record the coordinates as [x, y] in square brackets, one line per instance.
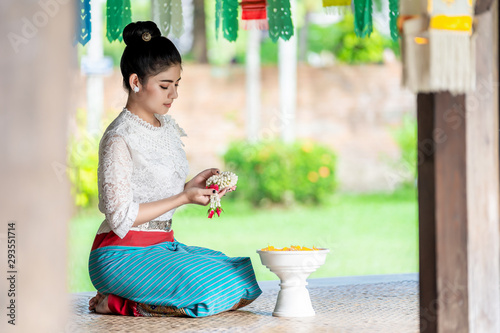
[185, 280]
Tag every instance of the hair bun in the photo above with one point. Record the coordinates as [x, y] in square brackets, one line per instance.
[140, 32]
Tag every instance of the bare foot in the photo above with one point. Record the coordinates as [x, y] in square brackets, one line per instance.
[94, 300]
[102, 306]
[99, 304]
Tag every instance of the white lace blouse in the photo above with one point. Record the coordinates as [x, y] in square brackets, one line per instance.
[138, 163]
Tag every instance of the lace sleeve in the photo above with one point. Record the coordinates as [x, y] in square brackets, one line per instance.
[114, 181]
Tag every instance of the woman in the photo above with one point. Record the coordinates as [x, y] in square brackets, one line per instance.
[135, 263]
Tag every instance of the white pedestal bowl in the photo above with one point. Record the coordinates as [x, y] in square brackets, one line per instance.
[293, 268]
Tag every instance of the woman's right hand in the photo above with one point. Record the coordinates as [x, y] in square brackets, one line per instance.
[199, 196]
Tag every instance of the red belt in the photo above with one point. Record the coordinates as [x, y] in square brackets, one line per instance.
[133, 238]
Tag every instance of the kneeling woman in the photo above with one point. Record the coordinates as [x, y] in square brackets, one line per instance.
[135, 263]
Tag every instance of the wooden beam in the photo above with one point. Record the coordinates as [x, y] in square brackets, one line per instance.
[427, 213]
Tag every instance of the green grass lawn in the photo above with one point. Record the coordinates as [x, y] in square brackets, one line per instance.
[366, 234]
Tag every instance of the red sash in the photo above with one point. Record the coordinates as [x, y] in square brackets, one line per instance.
[133, 238]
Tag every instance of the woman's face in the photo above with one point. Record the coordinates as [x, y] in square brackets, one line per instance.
[160, 90]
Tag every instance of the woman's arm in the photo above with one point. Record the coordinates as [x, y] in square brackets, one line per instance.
[194, 193]
[115, 190]
[151, 210]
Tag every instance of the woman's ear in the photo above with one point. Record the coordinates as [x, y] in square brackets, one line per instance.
[134, 83]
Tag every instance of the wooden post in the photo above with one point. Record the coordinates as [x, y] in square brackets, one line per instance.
[483, 181]
[37, 65]
[427, 213]
[451, 213]
[459, 199]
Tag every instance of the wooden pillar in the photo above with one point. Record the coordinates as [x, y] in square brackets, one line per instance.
[459, 199]
[483, 182]
[427, 213]
[451, 213]
[36, 54]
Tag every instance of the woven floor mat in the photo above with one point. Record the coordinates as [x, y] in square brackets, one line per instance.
[380, 307]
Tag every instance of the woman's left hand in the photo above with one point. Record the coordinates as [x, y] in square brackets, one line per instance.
[200, 181]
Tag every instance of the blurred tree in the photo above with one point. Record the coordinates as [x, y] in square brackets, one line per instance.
[199, 32]
[340, 39]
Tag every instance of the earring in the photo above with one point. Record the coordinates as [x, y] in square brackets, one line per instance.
[136, 89]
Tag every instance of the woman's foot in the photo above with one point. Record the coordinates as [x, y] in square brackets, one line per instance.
[94, 300]
[99, 304]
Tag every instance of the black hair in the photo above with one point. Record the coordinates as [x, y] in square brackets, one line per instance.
[147, 53]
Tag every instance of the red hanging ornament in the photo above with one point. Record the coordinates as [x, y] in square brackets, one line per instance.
[254, 14]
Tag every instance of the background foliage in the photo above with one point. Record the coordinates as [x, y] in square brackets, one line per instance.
[275, 172]
[407, 139]
[340, 40]
[83, 159]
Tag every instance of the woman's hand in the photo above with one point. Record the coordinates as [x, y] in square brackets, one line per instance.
[199, 196]
[226, 190]
[199, 183]
[200, 180]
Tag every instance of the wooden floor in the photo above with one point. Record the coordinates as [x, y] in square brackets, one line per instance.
[355, 304]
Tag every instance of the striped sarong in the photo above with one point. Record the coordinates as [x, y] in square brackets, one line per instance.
[159, 276]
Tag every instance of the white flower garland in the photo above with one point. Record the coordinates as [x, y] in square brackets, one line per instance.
[224, 180]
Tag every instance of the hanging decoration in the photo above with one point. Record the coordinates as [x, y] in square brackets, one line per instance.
[414, 46]
[84, 27]
[280, 19]
[363, 24]
[438, 45]
[167, 14]
[253, 15]
[218, 17]
[452, 50]
[337, 6]
[177, 23]
[118, 15]
[413, 23]
[227, 12]
[363, 10]
[274, 15]
[230, 19]
[161, 15]
[393, 19]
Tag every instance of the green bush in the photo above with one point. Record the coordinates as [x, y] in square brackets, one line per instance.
[83, 159]
[273, 171]
[340, 39]
[406, 138]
